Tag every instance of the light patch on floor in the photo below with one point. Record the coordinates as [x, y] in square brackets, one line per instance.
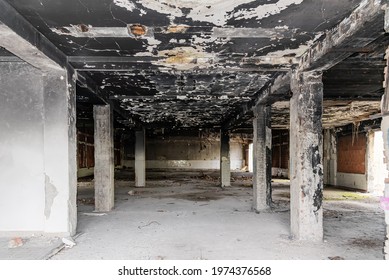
[189, 217]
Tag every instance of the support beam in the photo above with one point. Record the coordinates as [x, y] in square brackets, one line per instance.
[85, 81]
[140, 158]
[270, 93]
[262, 158]
[306, 182]
[23, 49]
[225, 166]
[18, 36]
[104, 158]
[363, 26]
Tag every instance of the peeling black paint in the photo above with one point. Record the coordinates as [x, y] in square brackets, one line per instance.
[269, 190]
[318, 198]
[297, 25]
[316, 160]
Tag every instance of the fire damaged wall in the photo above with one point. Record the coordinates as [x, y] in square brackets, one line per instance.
[351, 161]
[351, 154]
[86, 152]
[186, 152]
[280, 153]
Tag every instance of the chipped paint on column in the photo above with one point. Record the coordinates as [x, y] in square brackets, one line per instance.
[104, 158]
[225, 166]
[262, 158]
[306, 183]
[72, 118]
[268, 156]
[385, 134]
[329, 157]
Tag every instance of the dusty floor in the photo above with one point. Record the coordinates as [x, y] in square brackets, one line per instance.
[190, 217]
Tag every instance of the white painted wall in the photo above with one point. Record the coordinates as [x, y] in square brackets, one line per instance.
[22, 180]
[351, 180]
[376, 165]
[251, 151]
[37, 153]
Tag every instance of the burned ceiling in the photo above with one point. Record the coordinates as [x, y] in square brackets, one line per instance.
[187, 63]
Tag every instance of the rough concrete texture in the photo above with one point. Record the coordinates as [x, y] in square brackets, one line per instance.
[186, 152]
[140, 158]
[185, 215]
[262, 158]
[385, 133]
[330, 157]
[31, 247]
[225, 166]
[306, 151]
[104, 158]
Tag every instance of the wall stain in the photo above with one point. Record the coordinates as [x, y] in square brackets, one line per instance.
[51, 193]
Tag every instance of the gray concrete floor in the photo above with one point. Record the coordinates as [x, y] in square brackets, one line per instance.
[187, 216]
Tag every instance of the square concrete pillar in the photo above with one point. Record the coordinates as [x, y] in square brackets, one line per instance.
[306, 163]
[329, 157]
[60, 148]
[385, 135]
[262, 158]
[104, 158]
[38, 182]
[140, 158]
[225, 166]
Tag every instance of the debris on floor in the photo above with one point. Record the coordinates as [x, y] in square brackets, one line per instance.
[86, 201]
[336, 258]
[94, 214]
[152, 222]
[15, 242]
[69, 242]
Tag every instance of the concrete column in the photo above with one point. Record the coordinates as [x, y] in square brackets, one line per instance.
[330, 157]
[140, 158]
[306, 149]
[60, 152]
[104, 158]
[385, 134]
[262, 158]
[37, 151]
[225, 167]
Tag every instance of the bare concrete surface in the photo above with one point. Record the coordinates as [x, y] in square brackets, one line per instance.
[28, 247]
[186, 215]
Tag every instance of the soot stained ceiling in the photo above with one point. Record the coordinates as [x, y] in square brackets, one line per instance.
[187, 63]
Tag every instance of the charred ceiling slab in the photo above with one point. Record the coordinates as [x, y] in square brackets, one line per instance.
[199, 63]
[335, 113]
[273, 91]
[363, 26]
